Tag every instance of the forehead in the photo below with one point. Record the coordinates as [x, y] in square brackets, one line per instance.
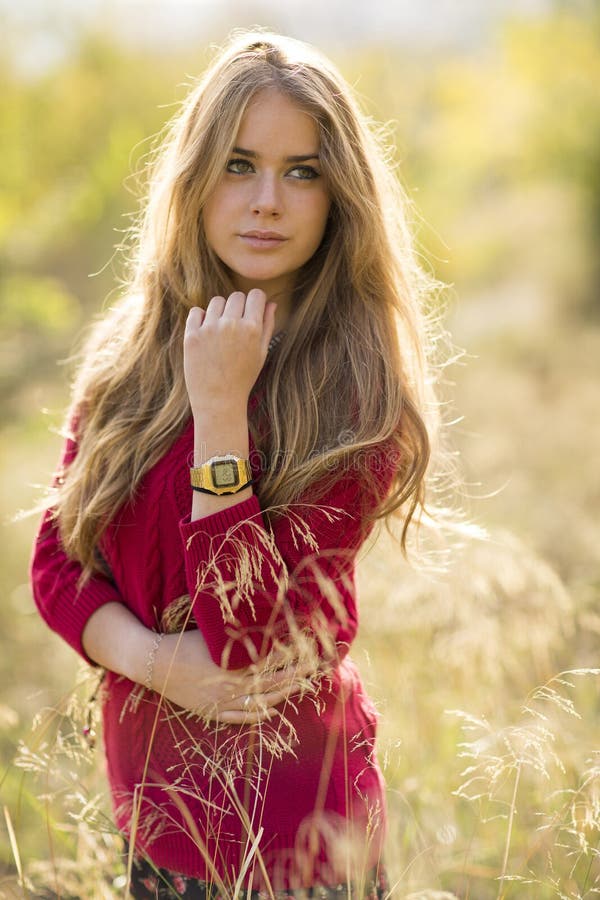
[276, 125]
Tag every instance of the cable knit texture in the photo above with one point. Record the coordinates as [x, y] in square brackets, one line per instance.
[300, 796]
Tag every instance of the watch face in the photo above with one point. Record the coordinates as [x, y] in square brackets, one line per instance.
[225, 474]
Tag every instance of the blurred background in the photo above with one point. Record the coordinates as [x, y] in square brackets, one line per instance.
[494, 112]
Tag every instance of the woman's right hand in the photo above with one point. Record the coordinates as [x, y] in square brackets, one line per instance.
[185, 674]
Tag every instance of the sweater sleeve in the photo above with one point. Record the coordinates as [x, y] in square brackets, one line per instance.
[54, 578]
[252, 587]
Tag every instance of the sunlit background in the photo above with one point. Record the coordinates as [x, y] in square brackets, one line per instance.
[494, 111]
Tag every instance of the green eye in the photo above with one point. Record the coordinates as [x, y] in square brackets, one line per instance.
[239, 166]
[306, 173]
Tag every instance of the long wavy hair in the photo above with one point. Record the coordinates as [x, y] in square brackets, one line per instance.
[352, 373]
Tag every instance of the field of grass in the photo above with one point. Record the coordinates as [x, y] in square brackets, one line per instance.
[490, 753]
[484, 663]
[487, 676]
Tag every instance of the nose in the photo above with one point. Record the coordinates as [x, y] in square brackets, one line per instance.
[266, 199]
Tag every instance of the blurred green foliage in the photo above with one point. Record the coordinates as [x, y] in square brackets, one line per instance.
[523, 109]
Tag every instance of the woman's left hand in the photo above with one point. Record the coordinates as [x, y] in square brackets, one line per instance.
[225, 347]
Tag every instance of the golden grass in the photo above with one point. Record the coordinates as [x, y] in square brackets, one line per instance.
[489, 753]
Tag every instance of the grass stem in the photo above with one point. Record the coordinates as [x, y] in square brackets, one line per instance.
[513, 806]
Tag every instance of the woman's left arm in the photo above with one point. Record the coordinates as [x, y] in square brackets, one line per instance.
[254, 588]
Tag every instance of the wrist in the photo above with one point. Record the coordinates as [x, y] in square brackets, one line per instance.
[150, 680]
[116, 639]
[221, 435]
[135, 662]
[220, 407]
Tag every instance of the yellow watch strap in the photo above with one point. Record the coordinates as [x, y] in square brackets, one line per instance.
[201, 477]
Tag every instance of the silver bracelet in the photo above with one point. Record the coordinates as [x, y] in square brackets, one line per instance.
[150, 660]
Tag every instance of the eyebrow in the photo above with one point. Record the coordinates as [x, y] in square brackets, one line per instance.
[253, 155]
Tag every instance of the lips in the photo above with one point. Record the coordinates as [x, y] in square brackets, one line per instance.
[265, 235]
[263, 239]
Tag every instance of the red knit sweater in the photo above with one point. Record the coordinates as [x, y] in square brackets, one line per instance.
[307, 786]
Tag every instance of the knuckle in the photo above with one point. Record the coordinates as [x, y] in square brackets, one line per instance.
[252, 327]
[190, 343]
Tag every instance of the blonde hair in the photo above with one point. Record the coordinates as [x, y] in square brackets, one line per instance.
[351, 376]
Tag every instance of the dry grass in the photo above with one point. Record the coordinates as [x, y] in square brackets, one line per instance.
[490, 756]
[499, 798]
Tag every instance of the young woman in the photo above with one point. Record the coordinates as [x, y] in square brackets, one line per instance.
[239, 422]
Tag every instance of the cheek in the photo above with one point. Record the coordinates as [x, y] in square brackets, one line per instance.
[208, 220]
[215, 214]
[213, 221]
[319, 216]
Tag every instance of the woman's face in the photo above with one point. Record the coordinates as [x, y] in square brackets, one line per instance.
[267, 215]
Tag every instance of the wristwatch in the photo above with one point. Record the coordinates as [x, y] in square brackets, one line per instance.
[222, 475]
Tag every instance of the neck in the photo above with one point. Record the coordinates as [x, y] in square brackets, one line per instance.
[280, 295]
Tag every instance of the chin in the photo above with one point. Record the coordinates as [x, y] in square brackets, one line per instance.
[259, 278]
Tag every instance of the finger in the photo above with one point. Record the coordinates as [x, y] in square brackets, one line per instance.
[277, 681]
[282, 679]
[276, 698]
[282, 658]
[255, 305]
[310, 668]
[267, 700]
[195, 318]
[215, 308]
[246, 718]
[294, 676]
[276, 659]
[234, 308]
